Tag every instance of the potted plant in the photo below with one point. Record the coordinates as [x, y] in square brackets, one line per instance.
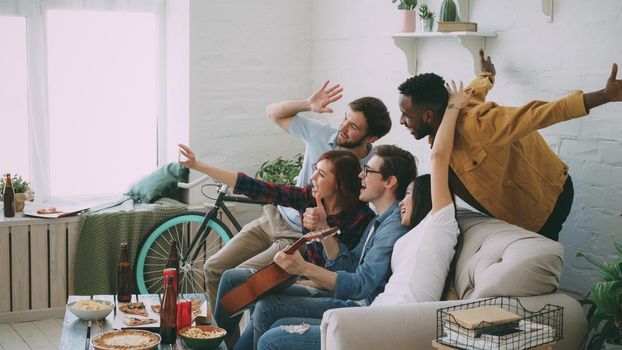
[281, 171]
[22, 191]
[409, 18]
[605, 318]
[427, 17]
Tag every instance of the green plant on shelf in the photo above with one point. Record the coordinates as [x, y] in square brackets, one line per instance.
[281, 171]
[425, 13]
[405, 4]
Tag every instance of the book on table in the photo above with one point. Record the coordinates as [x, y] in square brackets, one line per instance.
[484, 316]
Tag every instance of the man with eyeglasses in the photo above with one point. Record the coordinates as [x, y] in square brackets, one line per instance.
[255, 245]
[357, 276]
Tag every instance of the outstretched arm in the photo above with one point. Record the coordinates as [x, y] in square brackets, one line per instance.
[612, 92]
[225, 176]
[443, 146]
[282, 113]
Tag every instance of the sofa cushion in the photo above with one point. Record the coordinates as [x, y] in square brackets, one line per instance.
[500, 259]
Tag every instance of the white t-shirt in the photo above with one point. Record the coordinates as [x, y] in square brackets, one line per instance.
[420, 260]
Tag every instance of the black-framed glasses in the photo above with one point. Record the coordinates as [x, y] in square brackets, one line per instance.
[367, 170]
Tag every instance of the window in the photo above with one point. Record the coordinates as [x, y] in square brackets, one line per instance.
[102, 88]
[14, 148]
[91, 97]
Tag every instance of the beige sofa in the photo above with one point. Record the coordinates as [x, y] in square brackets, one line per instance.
[496, 259]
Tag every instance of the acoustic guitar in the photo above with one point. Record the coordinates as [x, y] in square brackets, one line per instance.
[267, 279]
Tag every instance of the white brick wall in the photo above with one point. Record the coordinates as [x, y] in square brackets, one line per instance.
[246, 56]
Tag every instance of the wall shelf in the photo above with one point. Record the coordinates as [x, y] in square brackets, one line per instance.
[472, 41]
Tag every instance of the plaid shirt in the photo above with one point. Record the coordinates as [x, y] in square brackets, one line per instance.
[351, 224]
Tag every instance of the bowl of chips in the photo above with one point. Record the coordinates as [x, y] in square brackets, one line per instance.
[91, 310]
[202, 337]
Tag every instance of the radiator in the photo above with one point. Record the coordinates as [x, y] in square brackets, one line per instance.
[36, 262]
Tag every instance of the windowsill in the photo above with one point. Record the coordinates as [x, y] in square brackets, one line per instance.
[22, 219]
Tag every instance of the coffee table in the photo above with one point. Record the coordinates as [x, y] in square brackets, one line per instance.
[77, 334]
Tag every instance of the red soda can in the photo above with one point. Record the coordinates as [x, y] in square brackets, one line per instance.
[173, 273]
[184, 314]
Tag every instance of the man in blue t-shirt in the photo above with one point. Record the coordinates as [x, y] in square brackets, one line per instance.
[255, 245]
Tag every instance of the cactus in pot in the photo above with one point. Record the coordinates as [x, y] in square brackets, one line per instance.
[449, 12]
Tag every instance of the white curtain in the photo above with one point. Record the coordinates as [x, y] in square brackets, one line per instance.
[34, 11]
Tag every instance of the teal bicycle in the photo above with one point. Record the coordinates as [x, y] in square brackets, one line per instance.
[198, 237]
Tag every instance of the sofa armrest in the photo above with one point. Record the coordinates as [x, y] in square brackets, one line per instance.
[382, 327]
[414, 325]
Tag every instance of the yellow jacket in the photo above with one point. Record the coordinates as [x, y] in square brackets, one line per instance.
[502, 159]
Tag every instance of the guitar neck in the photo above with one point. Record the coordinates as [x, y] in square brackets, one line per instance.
[318, 234]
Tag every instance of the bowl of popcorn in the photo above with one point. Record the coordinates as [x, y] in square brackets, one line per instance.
[202, 337]
[91, 310]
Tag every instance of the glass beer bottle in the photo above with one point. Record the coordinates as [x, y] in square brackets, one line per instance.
[124, 277]
[173, 261]
[168, 314]
[9, 197]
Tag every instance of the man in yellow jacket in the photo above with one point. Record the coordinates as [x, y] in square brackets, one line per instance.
[500, 164]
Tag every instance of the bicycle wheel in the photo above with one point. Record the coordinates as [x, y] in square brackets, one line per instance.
[153, 252]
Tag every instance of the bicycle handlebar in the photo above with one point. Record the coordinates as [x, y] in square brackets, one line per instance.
[193, 183]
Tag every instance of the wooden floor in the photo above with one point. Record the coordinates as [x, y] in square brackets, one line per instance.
[38, 335]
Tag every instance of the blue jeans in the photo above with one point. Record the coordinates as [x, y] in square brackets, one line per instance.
[275, 307]
[229, 280]
[233, 278]
[277, 338]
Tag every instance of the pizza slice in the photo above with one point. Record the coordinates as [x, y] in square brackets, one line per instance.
[137, 308]
[49, 211]
[135, 321]
[156, 308]
[196, 306]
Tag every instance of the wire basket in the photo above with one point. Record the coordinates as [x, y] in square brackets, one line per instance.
[535, 328]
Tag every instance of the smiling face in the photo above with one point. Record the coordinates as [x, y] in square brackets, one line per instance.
[372, 185]
[406, 205]
[352, 130]
[323, 179]
[414, 119]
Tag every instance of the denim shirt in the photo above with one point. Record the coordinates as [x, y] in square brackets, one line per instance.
[366, 280]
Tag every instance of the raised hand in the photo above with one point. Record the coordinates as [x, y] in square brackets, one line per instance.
[315, 218]
[457, 97]
[613, 88]
[191, 161]
[487, 65]
[319, 101]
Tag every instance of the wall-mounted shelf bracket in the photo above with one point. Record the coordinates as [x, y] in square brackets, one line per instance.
[472, 41]
[547, 10]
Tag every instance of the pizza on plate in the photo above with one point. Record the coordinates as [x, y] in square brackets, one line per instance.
[126, 339]
[137, 308]
[135, 321]
[49, 211]
[196, 307]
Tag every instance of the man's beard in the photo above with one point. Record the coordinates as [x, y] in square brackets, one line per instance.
[351, 144]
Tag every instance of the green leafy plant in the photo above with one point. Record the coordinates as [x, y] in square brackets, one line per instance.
[405, 4]
[605, 321]
[281, 171]
[19, 185]
[425, 13]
